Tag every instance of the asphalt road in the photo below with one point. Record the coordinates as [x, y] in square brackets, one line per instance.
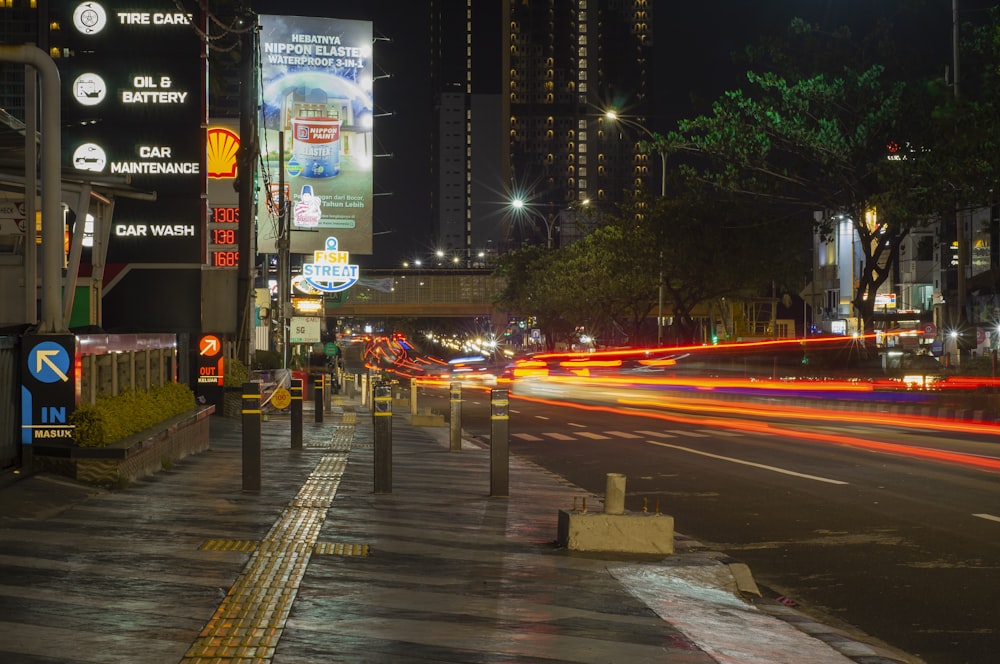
[905, 549]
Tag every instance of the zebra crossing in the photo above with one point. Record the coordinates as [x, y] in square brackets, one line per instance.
[564, 436]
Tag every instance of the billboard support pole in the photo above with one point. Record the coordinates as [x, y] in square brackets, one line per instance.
[282, 246]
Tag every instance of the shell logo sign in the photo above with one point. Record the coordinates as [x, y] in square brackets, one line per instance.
[223, 146]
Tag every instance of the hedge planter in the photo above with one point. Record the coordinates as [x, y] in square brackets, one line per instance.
[134, 457]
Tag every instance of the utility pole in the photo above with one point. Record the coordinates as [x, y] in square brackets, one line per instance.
[961, 320]
[247, 184]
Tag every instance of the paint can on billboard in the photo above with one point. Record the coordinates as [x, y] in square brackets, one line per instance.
[316, 147]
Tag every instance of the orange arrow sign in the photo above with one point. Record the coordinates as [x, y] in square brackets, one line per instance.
[209, 345]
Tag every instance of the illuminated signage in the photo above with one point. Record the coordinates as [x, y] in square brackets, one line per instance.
[89, 18]
[223, 149]
[885, 301]
[317, 91]
[132, 109]
[330, 271]
[223, 237]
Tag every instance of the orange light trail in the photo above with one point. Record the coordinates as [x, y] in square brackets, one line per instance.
[985, 463]
[718, 383]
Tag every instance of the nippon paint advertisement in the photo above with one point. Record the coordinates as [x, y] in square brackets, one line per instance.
[316, 132]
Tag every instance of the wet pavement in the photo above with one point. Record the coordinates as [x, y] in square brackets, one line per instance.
[185, 566]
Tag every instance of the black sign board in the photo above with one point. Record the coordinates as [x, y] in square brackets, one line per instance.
[133, 107]
[48, 387]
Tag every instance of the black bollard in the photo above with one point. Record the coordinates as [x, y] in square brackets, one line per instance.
[499, 443]
[455, 392]
[296, 413]
[318, 396]
[251, 437]
[382, 420]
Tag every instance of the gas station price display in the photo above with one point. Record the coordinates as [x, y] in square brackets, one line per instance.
[223, 237]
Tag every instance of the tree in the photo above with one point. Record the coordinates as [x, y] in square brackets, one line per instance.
[813, 140]
[707, 246]
[529, 290]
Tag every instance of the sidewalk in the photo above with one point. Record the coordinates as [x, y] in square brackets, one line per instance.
[186, 567]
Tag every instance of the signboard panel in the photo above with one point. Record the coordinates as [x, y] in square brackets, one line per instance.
[316, 85]
[48, 387]
[304, 330]
[132, 81]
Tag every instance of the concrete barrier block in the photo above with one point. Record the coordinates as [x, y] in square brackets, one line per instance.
[631, 532]
[427, 419]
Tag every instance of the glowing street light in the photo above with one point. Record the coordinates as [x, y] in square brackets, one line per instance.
[654, 142]
[521, 207]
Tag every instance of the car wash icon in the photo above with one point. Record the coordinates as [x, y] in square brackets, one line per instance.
[330, 271]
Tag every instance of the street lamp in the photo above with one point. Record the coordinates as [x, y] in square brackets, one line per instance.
[655, 142]
[521, 207]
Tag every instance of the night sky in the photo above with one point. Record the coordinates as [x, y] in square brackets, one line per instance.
[694, 45]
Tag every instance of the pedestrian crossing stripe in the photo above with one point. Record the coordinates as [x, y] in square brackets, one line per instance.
[560, 436]
[622, 434]
[657, 434]
[690, 434]
[592, 435]
[527, 436]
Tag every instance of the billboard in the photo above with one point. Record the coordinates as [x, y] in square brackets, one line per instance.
[316, 132]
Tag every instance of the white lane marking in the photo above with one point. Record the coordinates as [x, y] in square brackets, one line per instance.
[622, 434]
[526, 436]
[574, 424]
[775, 469]
[723, 432]
[689, 434]
[988, 517]
[541, 417]
[592, 435]
[657, 434]
[558, 436]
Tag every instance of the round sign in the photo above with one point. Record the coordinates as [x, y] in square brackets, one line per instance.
[281, 398]
[980, 335]
[930, 329]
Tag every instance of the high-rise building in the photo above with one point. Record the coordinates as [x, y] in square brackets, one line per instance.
[19, 25]
[534, 81]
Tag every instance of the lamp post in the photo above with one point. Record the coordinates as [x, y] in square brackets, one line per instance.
[520, 206]
[655, 141]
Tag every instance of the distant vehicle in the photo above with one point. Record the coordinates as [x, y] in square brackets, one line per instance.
[920, 371]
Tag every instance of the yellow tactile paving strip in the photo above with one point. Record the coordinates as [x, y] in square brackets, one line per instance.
[340, 549]
[248, 623]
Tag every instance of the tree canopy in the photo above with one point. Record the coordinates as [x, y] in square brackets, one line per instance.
[847, 136]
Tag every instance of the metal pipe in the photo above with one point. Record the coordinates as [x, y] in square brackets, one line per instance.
[52, 259]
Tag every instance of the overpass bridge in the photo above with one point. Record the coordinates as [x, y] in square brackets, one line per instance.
[438, 293]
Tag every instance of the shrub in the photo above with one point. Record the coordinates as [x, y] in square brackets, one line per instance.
[236, 373]
[119, 416]
[266, 360]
